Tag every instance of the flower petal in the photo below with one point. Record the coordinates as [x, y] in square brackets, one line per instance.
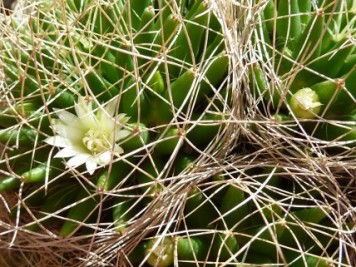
[82, 108]
[106, 123]
[68, 118]
[121, 134]
[59, 141]
[111, 107]
[78, 160]
[118, 150]
[67, 152]
[104, 158]
[85, 113]
[72, 133]
[91, 166]
[121, 119]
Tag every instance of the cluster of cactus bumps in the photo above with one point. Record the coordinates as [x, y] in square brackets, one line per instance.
[310, 48]
[165, 66]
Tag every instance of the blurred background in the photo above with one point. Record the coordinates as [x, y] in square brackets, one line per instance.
[7, 5]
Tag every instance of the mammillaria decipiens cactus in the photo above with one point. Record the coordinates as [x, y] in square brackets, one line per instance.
[147, 100]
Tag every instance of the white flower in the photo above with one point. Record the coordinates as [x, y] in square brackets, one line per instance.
[88, 137]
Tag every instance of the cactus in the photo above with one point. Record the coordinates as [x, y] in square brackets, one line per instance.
[317, 49]
[105, 91]
[132, 132]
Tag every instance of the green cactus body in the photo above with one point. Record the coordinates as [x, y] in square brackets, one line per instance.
[79, 213]
[113, 175]
[161, 254]
[138, 138]
[224, 246]
[288, 25]
[305, 216]
[267, 239]
[310, 39]
[54, 203]
[122, 212]
[191, 250]
[232, 210]
[145, 36]
[134, 101]
[169, 141]
[199, 210]
[168, 29]
[202, 134]
[180, 88]
[156, 85]
[189, 39]
[147, 177]
[36, 174]
[269, 15]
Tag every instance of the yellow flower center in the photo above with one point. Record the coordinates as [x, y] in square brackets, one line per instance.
[95, 141]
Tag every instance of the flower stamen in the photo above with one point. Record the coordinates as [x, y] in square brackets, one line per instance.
[95, 141]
